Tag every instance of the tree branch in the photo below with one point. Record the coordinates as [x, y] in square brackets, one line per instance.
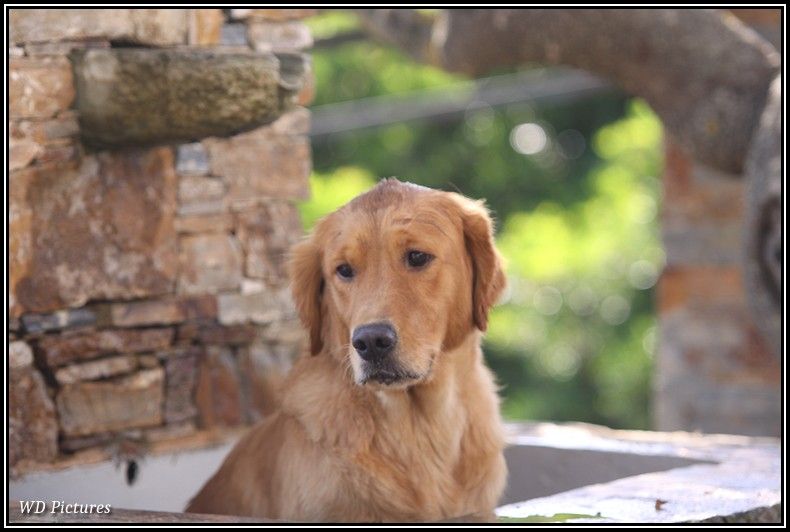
[704, 73]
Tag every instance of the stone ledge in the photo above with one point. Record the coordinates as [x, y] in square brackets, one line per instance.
[128, 96]
[735, 479]
[707, 478]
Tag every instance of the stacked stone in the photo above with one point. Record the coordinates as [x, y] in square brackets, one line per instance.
[148, 300]
[714, 372]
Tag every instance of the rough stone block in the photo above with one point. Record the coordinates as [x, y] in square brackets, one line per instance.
[215, 334]
[205, 26]
[192, 159]
[218, 395]
[59, 350]
[22, 152]
[262, 164]
[288, 332]
[204, 223]
[39, 87]
[64, 125]
[272, 14]
[136, 96]
[63, 319]
[161, 311]
[203, 208]
[100, 231]
[147, 361]
[32, 424]
[62, 47]
[59, 152]
[233, 35]
[209, 263]
[127, 402]
[263, 307]
[693, 286]
[714, 372]
[20, 355]
[181, 378]
[141, 26]
[97, 369]
[697, 193]
[294, 122]
[193, 189]
[266, 36]
[266, 235]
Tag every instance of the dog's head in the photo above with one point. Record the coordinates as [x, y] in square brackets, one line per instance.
[396, 277]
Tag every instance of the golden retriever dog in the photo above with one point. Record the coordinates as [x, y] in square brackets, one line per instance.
[394, 415]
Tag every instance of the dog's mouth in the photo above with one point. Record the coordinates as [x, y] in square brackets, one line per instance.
[389, 377]
[389, 373]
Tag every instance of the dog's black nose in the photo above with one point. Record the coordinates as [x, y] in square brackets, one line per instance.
[374, 341]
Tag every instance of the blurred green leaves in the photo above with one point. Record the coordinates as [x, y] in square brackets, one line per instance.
[332, 190]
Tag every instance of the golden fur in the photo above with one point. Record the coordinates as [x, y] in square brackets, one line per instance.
[342, 448]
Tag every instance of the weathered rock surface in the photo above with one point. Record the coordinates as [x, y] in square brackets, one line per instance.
[272, 14]
[60, 350]
[256, 307]
[265, 36]
[35, 324]
[97, 369]
[140, 26]
[267, 234]
[161, 311]
[262, 164]
[146, 96]
[103, 230]
[32, 424]
[204, 223]
[39, 87]
[93, 407]
[209, 263]
[19, 355]
[181, 377]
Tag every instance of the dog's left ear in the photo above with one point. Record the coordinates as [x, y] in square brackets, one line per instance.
[487, 270]
[307, 286]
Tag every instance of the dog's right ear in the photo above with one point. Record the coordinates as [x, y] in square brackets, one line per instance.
[307, 286]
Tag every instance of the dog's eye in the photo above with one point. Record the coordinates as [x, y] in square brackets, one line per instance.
[345, 272]
[418, 259]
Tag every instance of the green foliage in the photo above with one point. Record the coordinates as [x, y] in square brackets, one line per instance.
[363, 69]
[333, 190]
[577, 325]
[573, 338]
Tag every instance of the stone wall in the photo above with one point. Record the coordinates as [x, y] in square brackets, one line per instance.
[714, 371]
[148, 302]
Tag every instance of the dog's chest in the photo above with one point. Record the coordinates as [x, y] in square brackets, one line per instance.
[411, 468]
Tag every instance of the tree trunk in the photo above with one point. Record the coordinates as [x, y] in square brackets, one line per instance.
[704, 73]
